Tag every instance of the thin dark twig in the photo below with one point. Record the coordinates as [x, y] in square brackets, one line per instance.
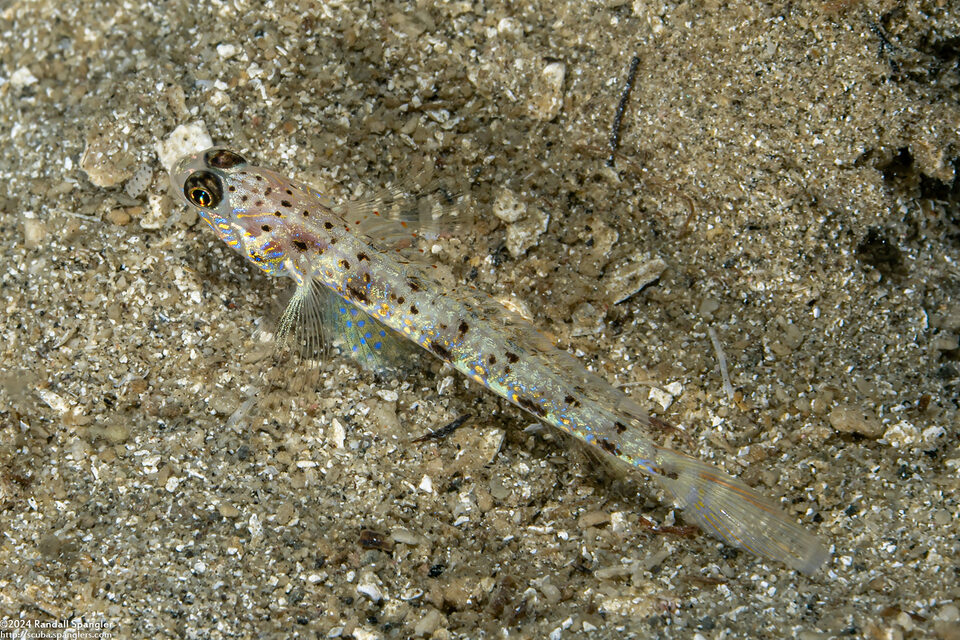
[885, 45]
[444, 431]
[621, 107]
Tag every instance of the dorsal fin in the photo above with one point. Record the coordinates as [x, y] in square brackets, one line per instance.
[397, 218]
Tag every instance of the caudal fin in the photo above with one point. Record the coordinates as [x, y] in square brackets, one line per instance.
[738, 515]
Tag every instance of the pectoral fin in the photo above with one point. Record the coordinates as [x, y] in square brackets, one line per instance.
[318, 322]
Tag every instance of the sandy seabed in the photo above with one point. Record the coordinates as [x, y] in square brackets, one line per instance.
[792, 168]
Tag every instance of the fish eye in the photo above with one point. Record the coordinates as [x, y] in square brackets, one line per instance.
[203, 189]
[223, 159]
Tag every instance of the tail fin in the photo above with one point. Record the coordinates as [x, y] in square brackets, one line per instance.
[737, 514]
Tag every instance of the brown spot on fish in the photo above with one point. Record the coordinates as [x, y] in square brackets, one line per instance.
[328, 225]
[362, 256]
[344, 264]
[266, 228]
[414, 310]
[357, 294]
[301, 246]
[285, 204]
[512, 357]
[570, 400]
[609, 447]
[463, 328]
[531, 406]
[657, 423]
[441, 351]
[492, 359]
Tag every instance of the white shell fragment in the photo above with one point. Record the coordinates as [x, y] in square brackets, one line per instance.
[368, 586]
[525, 234]
[661, 397]
[548, 96]
[137, 184]
[508, 207]
[628, 277]
[227, 50]
[22, 77]
[184, 140]
[337, 434]
[426, 485]
[158, 204]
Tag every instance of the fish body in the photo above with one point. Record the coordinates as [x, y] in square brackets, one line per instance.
[288, 229]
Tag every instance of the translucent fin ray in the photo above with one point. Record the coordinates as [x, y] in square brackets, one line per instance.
[317, 321]
[733, 512]
[420, 207]
[302, 327]
[375, 346]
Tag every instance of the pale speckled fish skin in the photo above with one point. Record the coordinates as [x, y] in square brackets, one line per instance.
[288, 229]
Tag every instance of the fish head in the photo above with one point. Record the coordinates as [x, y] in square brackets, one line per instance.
[205, 181]
[254, 210]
